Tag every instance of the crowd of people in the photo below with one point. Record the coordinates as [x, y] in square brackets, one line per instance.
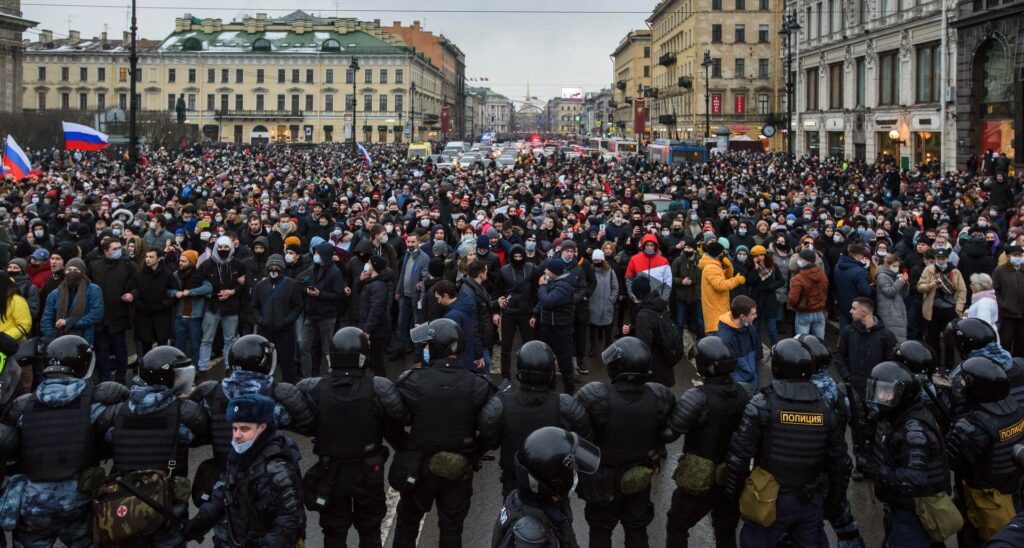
[310, 273]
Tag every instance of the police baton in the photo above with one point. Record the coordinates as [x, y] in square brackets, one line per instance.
[160, 509]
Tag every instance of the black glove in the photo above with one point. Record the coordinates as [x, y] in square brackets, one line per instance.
[191, 531]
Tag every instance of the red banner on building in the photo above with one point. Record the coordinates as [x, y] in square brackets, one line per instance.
[445, 119]
[740, 104]
[716, 104]
[639, 116]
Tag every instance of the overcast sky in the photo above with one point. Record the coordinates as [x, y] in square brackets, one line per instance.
[553, 51]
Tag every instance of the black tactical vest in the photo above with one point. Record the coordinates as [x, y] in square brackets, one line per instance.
[1015, 375]
[348, 428]
[937, 473]
[444, 418]
[521, 420]
[793, 448]
[725, 405]
[57, 442]
[996, 468]
[220, 428]
[632, 429]
[147, 442]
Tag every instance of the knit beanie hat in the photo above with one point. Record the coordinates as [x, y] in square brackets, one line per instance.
[79, 264]
[191, 255]
[275, 260]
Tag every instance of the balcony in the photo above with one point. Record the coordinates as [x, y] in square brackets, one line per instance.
[667, 59]
[685, 82]
[258, 115]
[620, 85]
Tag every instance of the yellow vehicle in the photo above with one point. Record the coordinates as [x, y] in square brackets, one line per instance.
[419, 150]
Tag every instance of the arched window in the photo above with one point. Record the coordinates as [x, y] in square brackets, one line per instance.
[330, 45]
[192, 44]
[261, 44]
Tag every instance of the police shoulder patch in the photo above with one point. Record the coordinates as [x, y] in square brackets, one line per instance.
[1011, 431]
[802, 419]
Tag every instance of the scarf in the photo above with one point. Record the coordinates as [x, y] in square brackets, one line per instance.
[69, 305]
[982, 295]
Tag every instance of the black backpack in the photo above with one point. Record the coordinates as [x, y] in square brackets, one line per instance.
[668, 340]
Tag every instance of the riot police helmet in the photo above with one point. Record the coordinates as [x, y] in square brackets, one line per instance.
[917, 356]
[981, 380]
[535, 364]
[253, 353]
[892, 386]
[628, 357]
[443, 337]
[348, 348]
[550, 458]
[970, 334]
[714, 358]
[820, 355]
[791, 361]
[167, 366]
[69, 355]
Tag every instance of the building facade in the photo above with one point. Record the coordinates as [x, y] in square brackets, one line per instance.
[256, 80]
[596, 114]
[496, 114]
[743, 81]
[990, 79]
[631, 70]
[12, 51]
[874, 83]
[562, 116]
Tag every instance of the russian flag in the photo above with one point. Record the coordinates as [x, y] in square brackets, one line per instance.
[79, 137]
[366, 155]
[15, 161]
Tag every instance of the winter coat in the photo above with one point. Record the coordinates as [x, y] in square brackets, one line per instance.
[975, 258]
[763, 291]
[463, 312]
[683, 267]
[861, 349]
[1008, 283]
[83, 325]
[327, 278]
[984, 306]
[851, 281]
[716, 281]
[808, 290]
[419, 261]
[555, 303]
[890, 306]
[30, 292]
[198, 289]
[656, 266]
[17, 322]
[924, 287]
[484, 312]
[602, 300]
[223, 274]
[745, 342]
[275, 309]
[782, 265]
[115, 278]
[154, 304]
[646, 327]
[518, 284]
[374, 307]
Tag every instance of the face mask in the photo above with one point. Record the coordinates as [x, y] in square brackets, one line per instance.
[837, 238]
[223, 253]
[242, 447]
[35, 199]
[317, 259]
[941, 266]
[800, 263]
[179, 239]
[742, 232]
[665, 232]
[530, 246]
[1017, 261]
[480, 217]
[274, 274]
[73, 277]
[982, 224]
[425, 222]
[168, 216]
[115, 255]
[389, 228]
[741, 257]
[790, 222]
[649, 250]
[289, 258]
[285, 226]
[39, 233]
[694, 218]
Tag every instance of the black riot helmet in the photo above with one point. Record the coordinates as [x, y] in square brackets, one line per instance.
[348, 346]
[535, 364]
[628, 358]
[443, 337]
[167, 366]
[981, 380]
[970, 334]
[550, 458]
[917, 356]
[820, 355]
[714, 358]
[892, 386]
[69, 355]
[253, 353]
[791, 361]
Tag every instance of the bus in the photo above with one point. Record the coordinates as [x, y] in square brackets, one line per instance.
[623, 147]
[671, 152]
[600, 143]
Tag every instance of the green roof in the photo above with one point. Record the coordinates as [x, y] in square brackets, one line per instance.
[237, 41]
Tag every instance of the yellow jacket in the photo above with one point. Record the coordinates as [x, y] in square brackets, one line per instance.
[18, 322]
[716, 281]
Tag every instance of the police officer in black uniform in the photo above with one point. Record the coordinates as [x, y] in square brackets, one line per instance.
[512, 414]
[154, 429]
[536, 514]
[353, 411]
[1011, 536]
[919, 358]
[907, 459]
[793, 434]
[980, 446]
[58, 443]
[977, 338]
[629, 420]
[708, 415]
[444, 400]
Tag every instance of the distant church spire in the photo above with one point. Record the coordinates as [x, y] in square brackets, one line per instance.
[527, 88]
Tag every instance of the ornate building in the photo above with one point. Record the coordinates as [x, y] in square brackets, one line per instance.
[631, 70]
[529, 117]
[12, 51]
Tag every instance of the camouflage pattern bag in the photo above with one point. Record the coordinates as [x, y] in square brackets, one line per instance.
[119, 516]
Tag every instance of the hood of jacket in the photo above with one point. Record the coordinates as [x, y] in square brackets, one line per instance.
[325, 251]
[727, 319]
[847, 263]
[364, 246]
[859, 326]
[649, 238]
[707, 260]
[222, 240]
[60, 391]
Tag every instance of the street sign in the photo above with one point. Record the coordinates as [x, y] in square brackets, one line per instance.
[408, 132]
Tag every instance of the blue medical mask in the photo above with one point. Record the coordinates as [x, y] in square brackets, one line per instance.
[115, 255]
[317, 259]
[242, 447]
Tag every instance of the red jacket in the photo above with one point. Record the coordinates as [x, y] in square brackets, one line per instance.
[39, 274]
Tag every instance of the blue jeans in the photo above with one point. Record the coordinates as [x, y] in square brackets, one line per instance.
[406, 309]
[801, 522]
[229, 327]
[690, 315]
[107, 343]
[903, 529]
[770, 325]
[188, 336]
[812, 323]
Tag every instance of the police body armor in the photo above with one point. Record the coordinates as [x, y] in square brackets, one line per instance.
[220, 428]
[793, 449]
[349, 400]
[996, 468]
[937, 472]
[1015, 375]
[147, 442]
[57, 442]
[444, 419]
[724, 411]
[521, 420]
[632, 429]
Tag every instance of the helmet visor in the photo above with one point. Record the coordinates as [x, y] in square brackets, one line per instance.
[421, 333]
[884, 393]
[184, 378]
[273, 360]
[611, 354]
[585, 456]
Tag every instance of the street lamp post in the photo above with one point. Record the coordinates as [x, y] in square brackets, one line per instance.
[400, 136]
[354, 67]
[412, 112]
[706, 63]
[133, 133]
[789, 30]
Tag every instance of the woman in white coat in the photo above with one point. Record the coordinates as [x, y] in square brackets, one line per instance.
[983, 300]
